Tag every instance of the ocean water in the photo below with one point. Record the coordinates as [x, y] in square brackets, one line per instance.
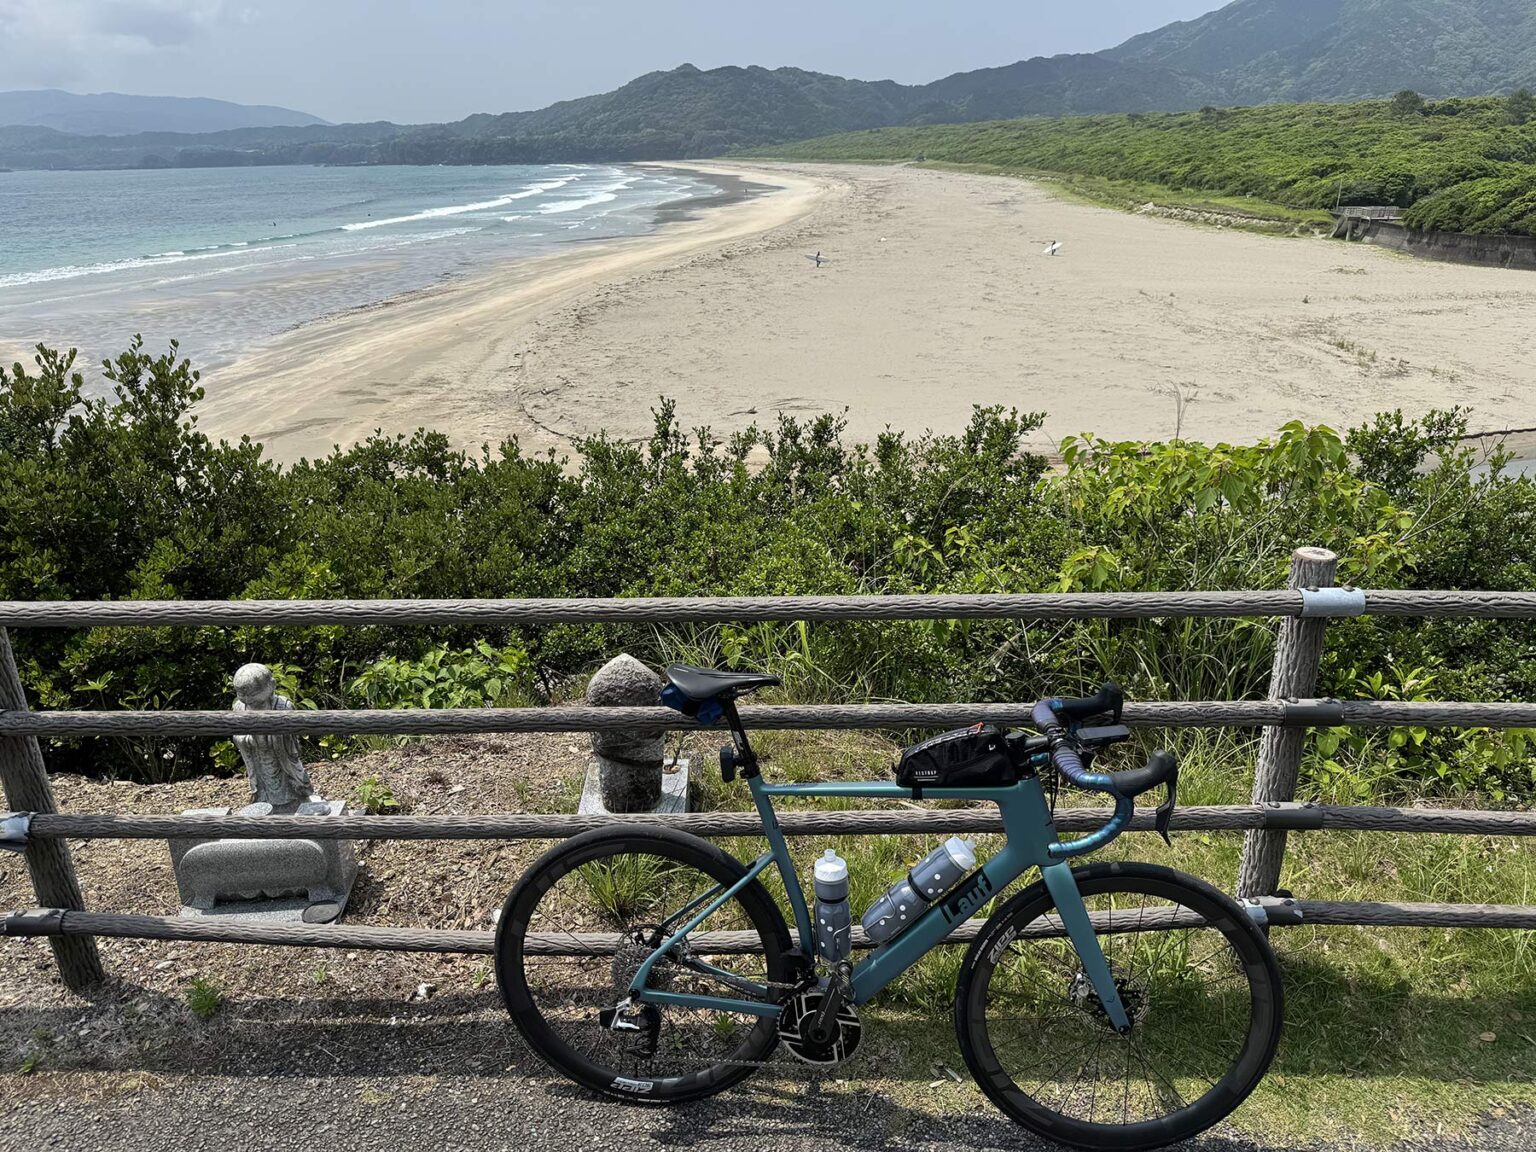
[223, 258]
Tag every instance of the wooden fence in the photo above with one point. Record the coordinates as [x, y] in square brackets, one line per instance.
[41, 831]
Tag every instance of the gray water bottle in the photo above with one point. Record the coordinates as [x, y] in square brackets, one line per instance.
[834, 924]
[931, 877]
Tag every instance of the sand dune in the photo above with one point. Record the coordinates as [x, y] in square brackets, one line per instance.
[938, 297]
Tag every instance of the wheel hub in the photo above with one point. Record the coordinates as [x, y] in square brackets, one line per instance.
[1133, 997]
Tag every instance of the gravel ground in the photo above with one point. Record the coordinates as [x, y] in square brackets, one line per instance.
[513, 1112]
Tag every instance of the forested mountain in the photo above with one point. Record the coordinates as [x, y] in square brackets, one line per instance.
[1267, 51]
[1250, 52]
[116, 114]
[678, 113]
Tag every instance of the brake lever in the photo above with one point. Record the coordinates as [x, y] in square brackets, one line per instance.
[1165, 809]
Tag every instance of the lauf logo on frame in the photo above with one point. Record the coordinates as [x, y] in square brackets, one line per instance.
[967, 898]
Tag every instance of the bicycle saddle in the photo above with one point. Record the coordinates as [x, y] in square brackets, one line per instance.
[701, 684]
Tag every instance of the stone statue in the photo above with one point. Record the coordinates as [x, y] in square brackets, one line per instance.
[298, 879]
[272, 765]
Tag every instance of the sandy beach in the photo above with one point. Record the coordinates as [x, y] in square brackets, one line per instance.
[937, 297]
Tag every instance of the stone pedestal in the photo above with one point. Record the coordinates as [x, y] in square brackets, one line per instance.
[283, 880]
[673, 797]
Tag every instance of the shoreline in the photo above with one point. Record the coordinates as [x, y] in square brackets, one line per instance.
[441, 357]
[938, 297]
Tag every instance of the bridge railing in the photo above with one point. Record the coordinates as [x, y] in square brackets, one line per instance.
[38, 829]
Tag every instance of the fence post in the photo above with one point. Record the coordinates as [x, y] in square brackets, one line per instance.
[53, 872]
[1298, 652]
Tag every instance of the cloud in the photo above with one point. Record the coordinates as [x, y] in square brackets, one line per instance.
[55, 41]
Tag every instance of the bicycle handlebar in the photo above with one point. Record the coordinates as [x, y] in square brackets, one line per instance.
[1053, 717]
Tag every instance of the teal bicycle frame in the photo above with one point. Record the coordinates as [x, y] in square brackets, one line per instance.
[1031, 843]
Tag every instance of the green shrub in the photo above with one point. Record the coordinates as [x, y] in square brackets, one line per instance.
[374, 797]
[204, 998]
[1295, 156]
[683, 514]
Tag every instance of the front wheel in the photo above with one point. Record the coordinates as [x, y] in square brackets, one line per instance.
[1197, 979]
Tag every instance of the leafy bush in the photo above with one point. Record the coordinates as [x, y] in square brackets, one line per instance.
[476, 677]
[374, 797]
[124, 498]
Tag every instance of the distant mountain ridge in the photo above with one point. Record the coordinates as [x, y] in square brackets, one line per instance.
[1292, 51]
[117, 114]
[1249, 52]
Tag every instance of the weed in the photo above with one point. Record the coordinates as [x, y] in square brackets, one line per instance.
[204, 998]
[375, 797]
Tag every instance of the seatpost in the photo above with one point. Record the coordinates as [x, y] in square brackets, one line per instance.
[745, 758]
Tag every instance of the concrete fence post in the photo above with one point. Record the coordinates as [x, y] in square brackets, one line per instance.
[27, 789]
[1298, 652]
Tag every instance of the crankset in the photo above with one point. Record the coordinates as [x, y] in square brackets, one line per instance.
[796, 1023]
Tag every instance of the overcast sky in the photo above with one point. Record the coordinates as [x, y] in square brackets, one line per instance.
[420, 60]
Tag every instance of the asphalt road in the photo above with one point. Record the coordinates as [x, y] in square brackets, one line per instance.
[110, 1112]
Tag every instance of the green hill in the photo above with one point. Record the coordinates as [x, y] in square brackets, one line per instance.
[113, 113]
[1250, 52]
[684, 112]
[1263, 51]
[1460, 165]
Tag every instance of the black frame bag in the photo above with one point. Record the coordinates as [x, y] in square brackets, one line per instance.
[975, 757]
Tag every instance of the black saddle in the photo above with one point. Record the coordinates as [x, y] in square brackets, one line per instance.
[699, 685]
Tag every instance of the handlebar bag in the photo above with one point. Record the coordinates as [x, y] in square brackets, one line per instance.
[975, 757]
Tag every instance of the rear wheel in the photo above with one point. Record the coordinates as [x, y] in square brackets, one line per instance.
[581, 921]
[1197, 978]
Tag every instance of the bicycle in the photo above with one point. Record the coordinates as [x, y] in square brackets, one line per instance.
[1117, 1005]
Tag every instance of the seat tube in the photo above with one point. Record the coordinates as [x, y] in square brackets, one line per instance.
[1062, 886]
[780, 850]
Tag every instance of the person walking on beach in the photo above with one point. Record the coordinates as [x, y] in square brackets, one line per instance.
[1053, 248]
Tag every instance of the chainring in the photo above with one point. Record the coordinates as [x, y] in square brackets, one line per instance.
[794, 1023]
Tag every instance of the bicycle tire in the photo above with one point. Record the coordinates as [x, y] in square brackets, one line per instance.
[1007, 934]
[606, 844]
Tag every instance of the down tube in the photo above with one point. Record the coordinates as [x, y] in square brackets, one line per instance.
[889, 962]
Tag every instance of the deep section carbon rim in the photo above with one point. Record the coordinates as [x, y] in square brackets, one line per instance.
[1198, 980]
[607, 901]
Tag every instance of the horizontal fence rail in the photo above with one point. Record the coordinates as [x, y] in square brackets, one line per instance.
[1303, 610]
[746, 609]
[873, 822]
[442, 721]
[59, 922]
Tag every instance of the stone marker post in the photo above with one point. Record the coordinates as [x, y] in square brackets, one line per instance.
[1298, 652]
[629, 764]
[53, 872]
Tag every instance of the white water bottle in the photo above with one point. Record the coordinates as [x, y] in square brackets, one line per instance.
[834, 924]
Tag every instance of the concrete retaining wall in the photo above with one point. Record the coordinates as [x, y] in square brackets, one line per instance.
[1458, 247]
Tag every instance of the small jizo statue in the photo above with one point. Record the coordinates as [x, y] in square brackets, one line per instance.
[272, 763]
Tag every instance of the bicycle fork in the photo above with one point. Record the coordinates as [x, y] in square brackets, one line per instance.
[1062, 886]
